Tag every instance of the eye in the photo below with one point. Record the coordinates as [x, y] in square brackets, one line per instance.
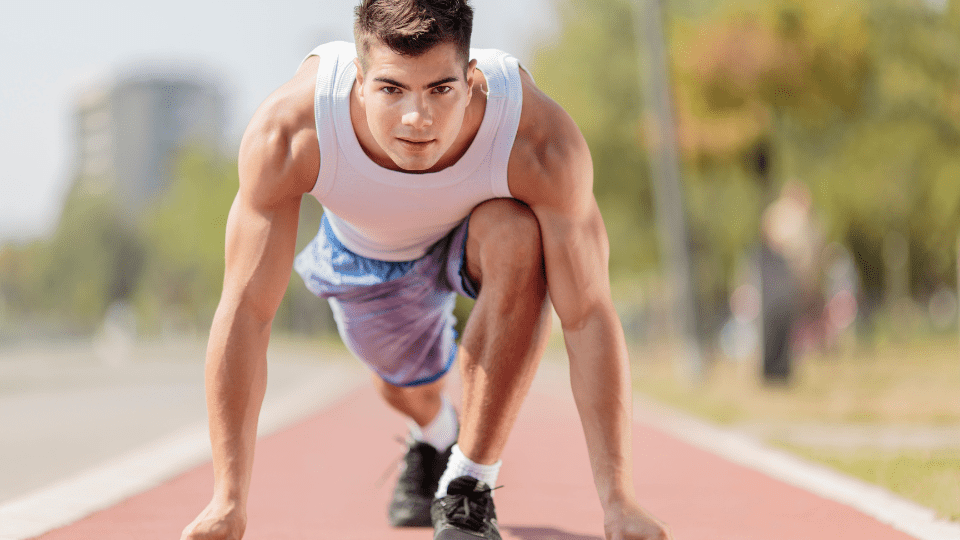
[441, 89]
[390, 90]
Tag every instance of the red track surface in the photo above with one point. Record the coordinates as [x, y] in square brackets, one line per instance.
[318, 480]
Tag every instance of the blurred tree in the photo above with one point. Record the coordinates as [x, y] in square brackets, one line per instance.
[915, 127]
[92, 260]
[741, 78]
[184, 231]
[861, 101]
[167, 262]
[19, 266]
[893, 169]
[741, 74]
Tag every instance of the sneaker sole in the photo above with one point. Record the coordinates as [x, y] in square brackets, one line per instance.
[411, 523]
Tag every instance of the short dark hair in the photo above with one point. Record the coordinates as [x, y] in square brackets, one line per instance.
[412, 27]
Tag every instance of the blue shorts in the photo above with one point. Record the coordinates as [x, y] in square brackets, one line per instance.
[397, 317]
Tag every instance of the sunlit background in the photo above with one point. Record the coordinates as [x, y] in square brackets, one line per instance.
[780, 182]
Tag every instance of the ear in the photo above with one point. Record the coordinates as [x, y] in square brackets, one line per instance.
[356, 62]
[471, 76]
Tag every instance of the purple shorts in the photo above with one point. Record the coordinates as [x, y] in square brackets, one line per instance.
[397, 317]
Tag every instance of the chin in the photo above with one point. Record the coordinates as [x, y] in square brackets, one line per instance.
[415, 164]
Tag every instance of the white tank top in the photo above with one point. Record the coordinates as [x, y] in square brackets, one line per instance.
[396, 216]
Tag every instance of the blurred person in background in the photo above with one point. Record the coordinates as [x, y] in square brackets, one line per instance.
[791, 230]
[443, 170]
[779, 303]
[790, 271]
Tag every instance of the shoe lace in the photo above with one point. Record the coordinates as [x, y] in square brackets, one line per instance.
[394, 465]
[470, 508]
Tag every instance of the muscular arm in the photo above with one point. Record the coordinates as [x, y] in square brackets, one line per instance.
[576, 257]
[576, 253]
[259, 255]
[556, 181]
[278, 163]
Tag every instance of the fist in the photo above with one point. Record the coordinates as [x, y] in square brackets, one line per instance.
[218, 521]
[630, 522]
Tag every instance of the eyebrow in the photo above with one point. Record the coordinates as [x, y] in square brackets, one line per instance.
[399, 84]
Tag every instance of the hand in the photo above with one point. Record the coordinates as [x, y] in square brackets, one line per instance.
[218, 521]
[628, 521]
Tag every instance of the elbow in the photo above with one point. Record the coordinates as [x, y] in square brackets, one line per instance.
[583, 315]
[256, 316]
[241, 312]
[593, 329]
[592, 306]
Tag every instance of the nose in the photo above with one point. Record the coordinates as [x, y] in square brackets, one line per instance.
[417, 115]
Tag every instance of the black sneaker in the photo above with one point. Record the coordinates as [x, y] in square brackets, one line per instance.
[419, 476]
[465, 513]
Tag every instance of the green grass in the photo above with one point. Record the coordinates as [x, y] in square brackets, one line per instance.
[929, 477]
[906, 383]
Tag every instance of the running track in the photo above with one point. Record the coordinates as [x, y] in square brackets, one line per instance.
[319, 479]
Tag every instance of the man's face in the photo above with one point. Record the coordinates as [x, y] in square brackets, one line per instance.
[414, 106]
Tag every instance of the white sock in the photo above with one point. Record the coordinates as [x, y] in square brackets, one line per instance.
[461, 465]
[441, 432]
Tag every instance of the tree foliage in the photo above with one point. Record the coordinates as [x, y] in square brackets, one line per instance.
[860, 101]
[92, 260]
[166, 260]
[185, 231]
[184, 228]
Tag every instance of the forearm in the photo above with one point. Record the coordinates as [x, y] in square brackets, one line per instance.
[600, 378]
[236, 378]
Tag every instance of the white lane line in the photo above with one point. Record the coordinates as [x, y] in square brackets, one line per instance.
[149, 466]
[886, 507]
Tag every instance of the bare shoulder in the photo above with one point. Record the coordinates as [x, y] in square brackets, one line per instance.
[279, 155]
[550, 163]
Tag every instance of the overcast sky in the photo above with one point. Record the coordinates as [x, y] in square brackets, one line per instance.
[52, 49]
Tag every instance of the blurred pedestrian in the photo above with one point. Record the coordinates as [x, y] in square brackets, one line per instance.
[790, 270]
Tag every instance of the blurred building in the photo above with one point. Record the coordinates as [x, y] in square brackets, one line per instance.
[129, 129]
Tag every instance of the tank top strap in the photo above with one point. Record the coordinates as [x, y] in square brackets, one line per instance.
[333, 58]
[502, 72]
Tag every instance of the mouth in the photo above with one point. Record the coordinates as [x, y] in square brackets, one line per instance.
[415, 143]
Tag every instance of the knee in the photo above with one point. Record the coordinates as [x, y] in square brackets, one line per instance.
[509, 239]
[402, 397]
[392, 394]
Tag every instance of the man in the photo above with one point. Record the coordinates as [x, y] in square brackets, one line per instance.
[442, 170]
